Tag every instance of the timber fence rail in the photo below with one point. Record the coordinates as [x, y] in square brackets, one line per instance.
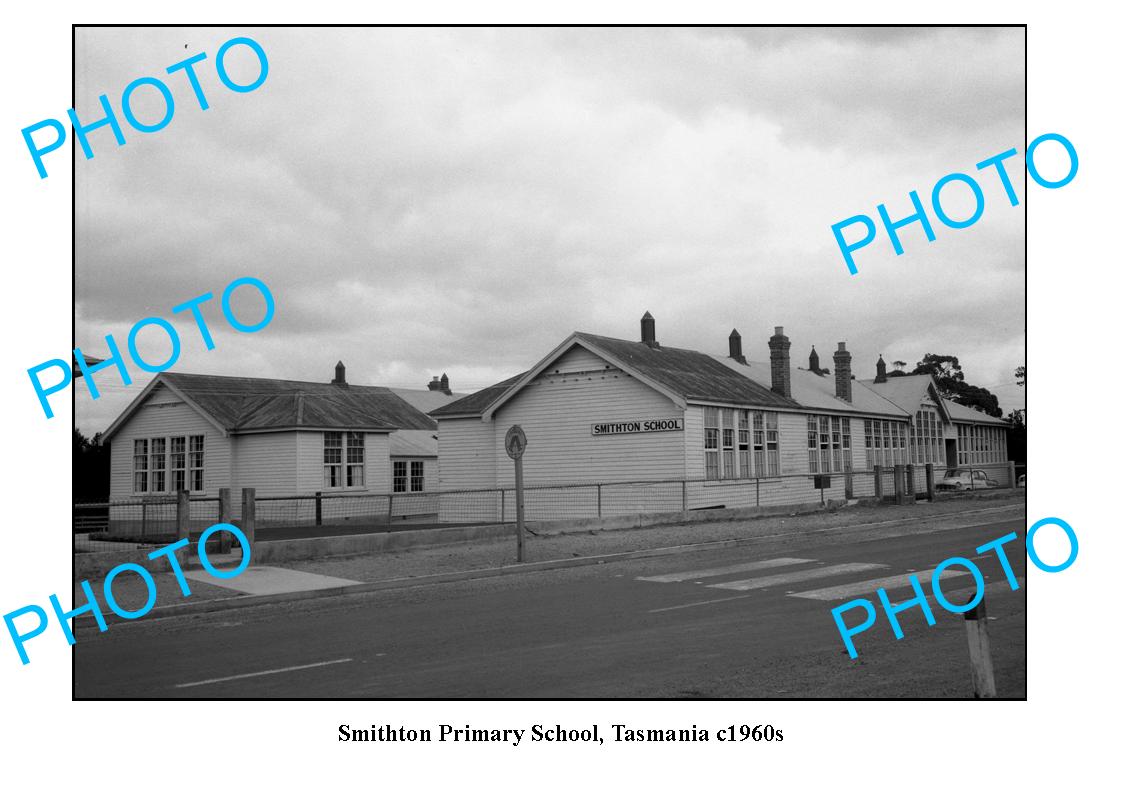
[158, 520]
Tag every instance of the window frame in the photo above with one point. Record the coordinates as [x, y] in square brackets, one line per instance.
[165, 462]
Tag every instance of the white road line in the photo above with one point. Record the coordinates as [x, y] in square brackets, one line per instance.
[676, 577]
[795, 577]
[704, 602]
[871, 586]
[261, 674]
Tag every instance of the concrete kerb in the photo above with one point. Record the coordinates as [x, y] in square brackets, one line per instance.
[94, 565]
[247, 601]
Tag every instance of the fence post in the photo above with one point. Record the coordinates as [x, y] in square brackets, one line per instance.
[877, 491]
[910, 479]
[143, 518]
[319, 508]
[390, 513]
[758, 491]
[1012, 475]
[502, 505]
[684, 496]
[899, 484]
[249, 513]
[224, 516]
[598, 500]
[930, 477]
[183, 520]
[978, 645]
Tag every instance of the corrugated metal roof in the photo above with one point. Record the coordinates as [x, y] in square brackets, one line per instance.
[905, 391]
[413, 442]
[248, 404]
[813, 391]
[425, 400]
[691, 374]
[969, 414]
[477, 402]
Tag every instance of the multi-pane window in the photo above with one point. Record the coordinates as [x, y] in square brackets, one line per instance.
[828, 444]
[713, 433]
[408, 476]
[178, 462]
[140, 465]
[355, 456]
[728, 434]
[886, 442]
[981, 444]
[165, 465]
[159, 473]
[744, 442]
[927, 437]
[195, 462]
[740, 443]
[772, 434]
[333, 459]
[758, 443]
[344, 458]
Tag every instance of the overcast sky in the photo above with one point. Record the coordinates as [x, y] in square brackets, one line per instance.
[427, 201]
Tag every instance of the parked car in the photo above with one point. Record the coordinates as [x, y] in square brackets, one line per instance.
[962, 478]
[1022, 481]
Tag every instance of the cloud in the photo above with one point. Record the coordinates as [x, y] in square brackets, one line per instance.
[458, 200]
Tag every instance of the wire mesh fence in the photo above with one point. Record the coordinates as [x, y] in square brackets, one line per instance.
[155, 521]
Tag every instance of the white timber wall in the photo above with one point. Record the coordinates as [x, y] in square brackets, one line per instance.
[164, 415]
[557, 412]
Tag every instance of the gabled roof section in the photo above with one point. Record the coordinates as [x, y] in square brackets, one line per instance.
[474, 405]
[908, 392]
[425, 400]
[680, 374]
[241, 405]
[969, 414]
[812, 391]
[690, 374]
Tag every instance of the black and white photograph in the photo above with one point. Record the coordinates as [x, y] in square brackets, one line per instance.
[494, 362]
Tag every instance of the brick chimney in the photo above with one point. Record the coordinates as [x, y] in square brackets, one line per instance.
[881, 377]
[780, 346]
[813, 362]
[444, 384]
[735, 347]
[842, 386]
[340, 379]
[647, 330]
[435, 384]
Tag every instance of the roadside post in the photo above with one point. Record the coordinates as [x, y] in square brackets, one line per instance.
[515, 443]
[978, 645]
[183, 520]
[930, 478]
[225, 515]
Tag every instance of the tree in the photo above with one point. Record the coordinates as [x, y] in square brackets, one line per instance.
[898, 368]
[91, 468]
[948, 376]
[1020, 375]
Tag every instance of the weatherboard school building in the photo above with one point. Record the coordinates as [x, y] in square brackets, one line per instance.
[283, 438]
[717, 430]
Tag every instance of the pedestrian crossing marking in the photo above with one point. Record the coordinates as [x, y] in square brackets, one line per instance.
[871, 586]
[678, 577]
[795, 577]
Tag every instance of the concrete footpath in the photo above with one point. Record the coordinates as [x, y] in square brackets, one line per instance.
[491, 558]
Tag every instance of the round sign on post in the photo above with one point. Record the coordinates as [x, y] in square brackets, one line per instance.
[515, 442]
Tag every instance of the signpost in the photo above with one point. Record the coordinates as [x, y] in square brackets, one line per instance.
[515, 443]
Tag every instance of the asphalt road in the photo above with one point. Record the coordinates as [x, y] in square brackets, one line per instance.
[660, 627]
